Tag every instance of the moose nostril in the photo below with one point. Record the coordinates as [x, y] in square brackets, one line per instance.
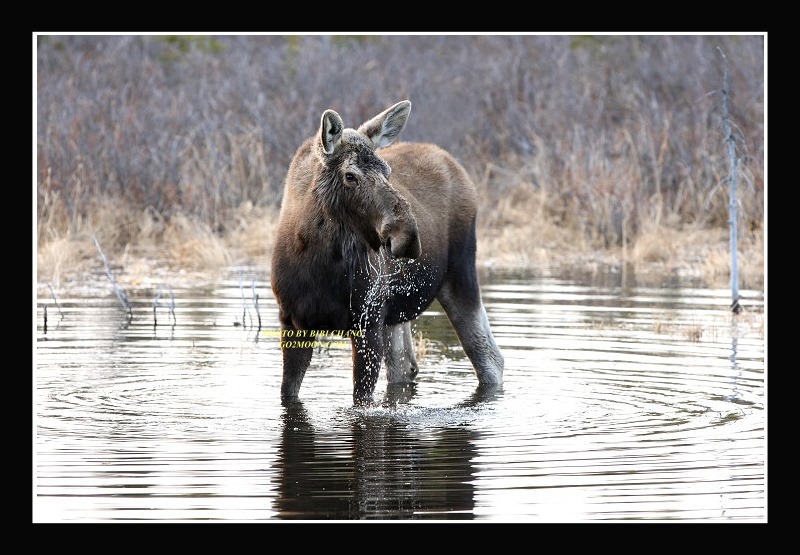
[416, 247]
[405, 246]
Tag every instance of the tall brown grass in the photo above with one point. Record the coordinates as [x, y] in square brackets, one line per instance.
[176, 147]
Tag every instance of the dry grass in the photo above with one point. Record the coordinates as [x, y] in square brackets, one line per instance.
[518, 233]
[421, 345]
[660, 325]
[62, 257]
[520, 230]
[253, 230]
[748, 321]
[753, 320]
[692, 332]
[189, 243]
[185, 168]
[689, 332]
[140, 243]
[704, 253]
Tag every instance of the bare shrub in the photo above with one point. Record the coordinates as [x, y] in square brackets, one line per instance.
[602, 137]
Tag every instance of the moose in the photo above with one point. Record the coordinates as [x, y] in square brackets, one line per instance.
[370, 232]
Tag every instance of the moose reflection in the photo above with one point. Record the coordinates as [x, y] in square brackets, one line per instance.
[379, 468]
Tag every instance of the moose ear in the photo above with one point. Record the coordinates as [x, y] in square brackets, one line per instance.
[330, 131]
[384, 128]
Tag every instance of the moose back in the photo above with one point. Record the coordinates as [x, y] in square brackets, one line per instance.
[370, 232]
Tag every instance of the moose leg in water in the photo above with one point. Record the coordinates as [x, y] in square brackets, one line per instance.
[462, 304]
[367, 355]
[401, 360]
[295, 363]
[460, 298]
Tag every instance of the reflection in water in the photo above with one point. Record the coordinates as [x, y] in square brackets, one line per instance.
[377, 467]
[620, 402]
[735, 372]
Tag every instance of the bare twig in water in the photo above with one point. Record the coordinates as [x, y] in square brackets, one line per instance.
[55, 300]
[155, 306]
[255, 303]
[244, 300]
[123, 298]
[172, 306]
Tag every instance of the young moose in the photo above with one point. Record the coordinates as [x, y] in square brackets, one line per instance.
[367, 238]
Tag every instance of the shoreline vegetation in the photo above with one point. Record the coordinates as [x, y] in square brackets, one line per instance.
[191, 251]
[587, 151]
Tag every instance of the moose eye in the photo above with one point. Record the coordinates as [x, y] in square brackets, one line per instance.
[350, 177]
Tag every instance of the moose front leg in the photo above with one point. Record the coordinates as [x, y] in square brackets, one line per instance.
[295, 364]
[367, 355]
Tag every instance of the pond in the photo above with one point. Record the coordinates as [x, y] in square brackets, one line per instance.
[621, 402]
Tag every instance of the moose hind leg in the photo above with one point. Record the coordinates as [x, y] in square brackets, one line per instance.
[463, 306]
[401, 360]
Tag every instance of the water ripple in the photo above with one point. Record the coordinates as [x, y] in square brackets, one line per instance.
[618, 404]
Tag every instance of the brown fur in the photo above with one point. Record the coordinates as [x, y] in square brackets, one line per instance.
[367, 238]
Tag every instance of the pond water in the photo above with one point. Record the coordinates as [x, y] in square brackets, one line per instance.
[620, 402]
